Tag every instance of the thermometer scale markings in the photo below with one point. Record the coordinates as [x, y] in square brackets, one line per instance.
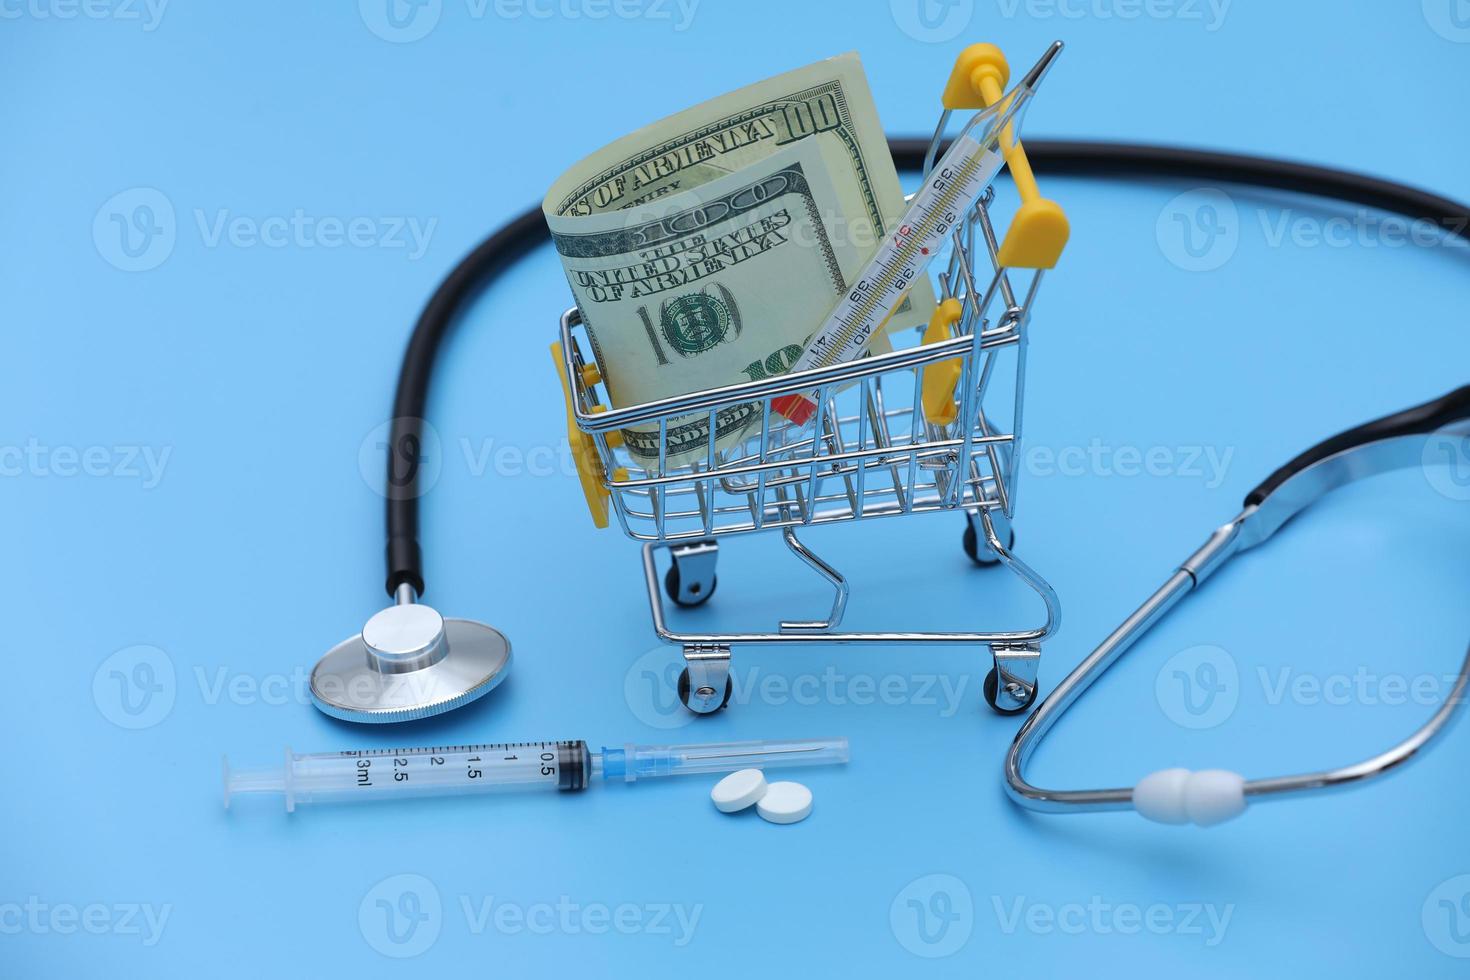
[899, 261]
[852, 320]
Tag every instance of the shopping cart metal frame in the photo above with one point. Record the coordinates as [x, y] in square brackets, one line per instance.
[891, 455]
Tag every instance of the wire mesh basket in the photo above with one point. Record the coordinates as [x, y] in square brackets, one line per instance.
[933, 425]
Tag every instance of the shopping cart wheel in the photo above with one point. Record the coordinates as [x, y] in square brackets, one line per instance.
[972, 545]
[685, 690]
[691, 579]
[697, 594]
[992, 690]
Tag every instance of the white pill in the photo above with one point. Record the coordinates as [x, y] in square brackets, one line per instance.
[785, 803]
[739, 790]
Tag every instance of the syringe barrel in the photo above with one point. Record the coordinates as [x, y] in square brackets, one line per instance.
[633, 762]
[456, 770]
[445, 770]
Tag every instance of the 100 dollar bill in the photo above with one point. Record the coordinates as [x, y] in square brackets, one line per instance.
[707, 289]
[677, 301]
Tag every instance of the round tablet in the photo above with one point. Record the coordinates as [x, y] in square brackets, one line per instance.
[739, 790]
[785, 803]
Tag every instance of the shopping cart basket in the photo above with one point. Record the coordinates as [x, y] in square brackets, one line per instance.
[927, 427]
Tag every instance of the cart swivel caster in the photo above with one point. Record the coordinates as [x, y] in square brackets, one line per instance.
[992, 691]
[977, 548]
[691, 579]
[1010, 687]
[705, 676]
[703, 705]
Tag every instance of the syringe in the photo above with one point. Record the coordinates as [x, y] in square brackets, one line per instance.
[950, 189]
[356, 776]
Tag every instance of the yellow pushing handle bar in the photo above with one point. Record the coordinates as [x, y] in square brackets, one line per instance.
[941, 377]
[1039, 231]
[1037, 234]
[589, 465]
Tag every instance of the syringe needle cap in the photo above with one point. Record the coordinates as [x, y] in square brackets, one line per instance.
[1038, 71]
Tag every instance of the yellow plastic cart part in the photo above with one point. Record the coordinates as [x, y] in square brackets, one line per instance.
[940, 379]
[1039, 230]
[584, 450]
[614, 438]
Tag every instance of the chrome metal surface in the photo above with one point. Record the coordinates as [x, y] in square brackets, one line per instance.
[874, 455]
[709, 672]
[1036, 634]
[696, 563]
[345, 683]
[404, 637]
[408, 662]
[1003, 532]
[871, 452]
[1252, 526]
[1383, 456]
[833, 577]
[1015, 669]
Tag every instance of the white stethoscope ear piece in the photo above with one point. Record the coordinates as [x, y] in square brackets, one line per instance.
[409, 662]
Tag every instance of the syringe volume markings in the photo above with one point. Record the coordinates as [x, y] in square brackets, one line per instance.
[567, 766]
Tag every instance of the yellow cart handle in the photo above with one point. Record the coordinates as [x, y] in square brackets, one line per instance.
[1039, 231]
[584, 451]
[941, 377]
[1037, 234]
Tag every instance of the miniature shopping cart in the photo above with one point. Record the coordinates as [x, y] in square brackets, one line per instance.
[931, 426]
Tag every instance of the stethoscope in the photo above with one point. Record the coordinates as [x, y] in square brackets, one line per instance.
[410, 662]
[1177, 796]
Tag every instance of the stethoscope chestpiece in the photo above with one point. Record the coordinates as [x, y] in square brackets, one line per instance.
[409, 662]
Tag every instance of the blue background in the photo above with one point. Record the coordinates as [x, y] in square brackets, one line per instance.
[263, 371]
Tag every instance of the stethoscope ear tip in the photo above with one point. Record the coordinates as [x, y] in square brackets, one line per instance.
[1178, 796]
[409, 662]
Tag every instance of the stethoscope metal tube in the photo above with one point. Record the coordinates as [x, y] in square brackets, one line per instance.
[1056, 704]
[1176, 796]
